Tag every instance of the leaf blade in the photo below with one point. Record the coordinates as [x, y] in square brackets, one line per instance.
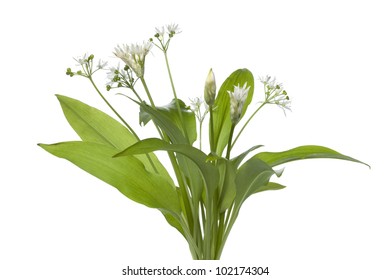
[222, 123]
[93, 125]
[170, 111]
[300, 153]
[128, 174]
[209, 171]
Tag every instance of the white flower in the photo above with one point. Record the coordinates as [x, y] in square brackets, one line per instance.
[112, 75]
[275, 93]
[268, 82]
[173, 29]
[160, 32]
[134, 56]
[102, 64]
[196, 105]
[81, 60]
[283, 101]
[210, 88]
[237, 100]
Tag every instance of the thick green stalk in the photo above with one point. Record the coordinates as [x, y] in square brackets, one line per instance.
[191, 242]
[211, 128]
[229, 147]
[200, 135]
[229, 222]
[148, 92]
[221, 230]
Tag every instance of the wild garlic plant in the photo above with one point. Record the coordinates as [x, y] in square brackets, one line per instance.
[203, 198]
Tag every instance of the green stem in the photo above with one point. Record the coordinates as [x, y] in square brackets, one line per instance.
[195, 252]
[211, 127]
[246, 123]
[230, 219]
[208, 229]
[229, 147]
[175, 95]
[200, 135]
[112, 108]
[148, 92]
[221, 230]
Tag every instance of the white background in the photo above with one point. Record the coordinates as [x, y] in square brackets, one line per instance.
[332, 220]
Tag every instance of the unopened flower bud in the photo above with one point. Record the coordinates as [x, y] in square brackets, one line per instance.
[210, 88]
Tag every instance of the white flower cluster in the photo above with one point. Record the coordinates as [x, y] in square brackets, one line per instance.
[275, 93]
[170, 30]
[196, 107]
[120, 77]
[237, 100]
[86, 63]
[134, 56]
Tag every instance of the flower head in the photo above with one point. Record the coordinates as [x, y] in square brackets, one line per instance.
[83, 59]
[86, 66]
[237, 100]
[101, 64]
[120, 77]
[210, 88]
[196, 107]
[160, 32]
[164, 35]
[173, 29]
[275, 93]
[134, 56]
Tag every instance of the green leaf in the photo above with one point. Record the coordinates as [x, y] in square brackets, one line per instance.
[251, 176]
[93, 125]
[165, 123]
[222, 123]
[227, 172]
[173, 222]
[302, 152]
[170, 112]
[208, 171]
[271, 186]
[127, 174]
[237, 160]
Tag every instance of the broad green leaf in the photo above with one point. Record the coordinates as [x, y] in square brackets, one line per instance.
[93, 125]
[193, 177]
[222, 123]
[127, 174]
[170, 112]
[165, 123]
[208, 171]
[302, 152]
[251, 176]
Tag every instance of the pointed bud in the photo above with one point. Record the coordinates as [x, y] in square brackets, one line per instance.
[210, 88]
